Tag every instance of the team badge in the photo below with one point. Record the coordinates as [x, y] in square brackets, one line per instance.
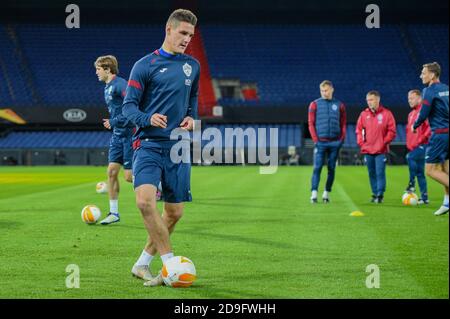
[334, 107]
[187, 69]
[380, 118]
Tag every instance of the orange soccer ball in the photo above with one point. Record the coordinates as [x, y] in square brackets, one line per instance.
[179, 272]
[410, 199]
[90, 214]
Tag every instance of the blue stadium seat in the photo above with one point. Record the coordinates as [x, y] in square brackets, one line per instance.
[401, 134]
[431, 42]
[287, 71]
[288, 134]
[13, 85]
[63, 67]
[35, 140]
[350, 138]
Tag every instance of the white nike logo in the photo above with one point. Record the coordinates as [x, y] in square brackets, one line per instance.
[163, 70]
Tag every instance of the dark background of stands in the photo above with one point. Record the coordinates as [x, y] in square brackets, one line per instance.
[229, 11]
[25, 14]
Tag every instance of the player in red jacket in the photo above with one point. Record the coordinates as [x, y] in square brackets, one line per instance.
[375, 130]
[416, 144]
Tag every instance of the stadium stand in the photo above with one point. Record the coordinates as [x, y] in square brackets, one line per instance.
[207, 98]
[63, 67]
[288, 134]
[286, 71]
[13, 88]
[431, 44]
[51, 139]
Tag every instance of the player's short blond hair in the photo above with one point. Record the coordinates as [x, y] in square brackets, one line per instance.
[326, 82]
[181, 15]
[416, 92]
[433, 67]
[108, 62]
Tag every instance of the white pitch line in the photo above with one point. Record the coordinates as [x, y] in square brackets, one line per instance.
[40, 194]
[347, 198]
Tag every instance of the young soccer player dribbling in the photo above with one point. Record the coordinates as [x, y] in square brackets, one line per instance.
[162, 96]
[120, 146]
[435, 109]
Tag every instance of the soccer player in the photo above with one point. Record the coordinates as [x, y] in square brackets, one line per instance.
[416, 143]
[435, 109]
[327, 125]
[375, 130]
[120, 145]
[161, 96]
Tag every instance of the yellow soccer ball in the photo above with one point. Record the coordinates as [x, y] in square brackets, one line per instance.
[410, 199]
[90, 214]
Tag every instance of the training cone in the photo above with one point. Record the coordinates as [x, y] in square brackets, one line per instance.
[357, 213]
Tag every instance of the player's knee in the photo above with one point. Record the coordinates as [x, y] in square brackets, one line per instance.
[112, 172]
[145, 205]
[429, 170]
[129, 178]
[174, 213]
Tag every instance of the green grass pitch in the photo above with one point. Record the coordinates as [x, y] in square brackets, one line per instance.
[249, 235]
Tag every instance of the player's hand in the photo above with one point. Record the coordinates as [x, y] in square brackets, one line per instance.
[106, 124]
[413, 129]
[158, 120]
[187, 123]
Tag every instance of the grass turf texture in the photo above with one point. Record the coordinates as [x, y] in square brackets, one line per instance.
[249, 235]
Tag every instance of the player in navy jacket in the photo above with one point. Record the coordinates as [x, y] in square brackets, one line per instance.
[120, 147]
[162, 96]
[327, 125]
[435, 109]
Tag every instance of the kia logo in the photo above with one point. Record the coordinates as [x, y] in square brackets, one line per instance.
[74, 115]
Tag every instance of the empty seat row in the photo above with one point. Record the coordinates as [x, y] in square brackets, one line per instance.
[287, 62]
[217, 135]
